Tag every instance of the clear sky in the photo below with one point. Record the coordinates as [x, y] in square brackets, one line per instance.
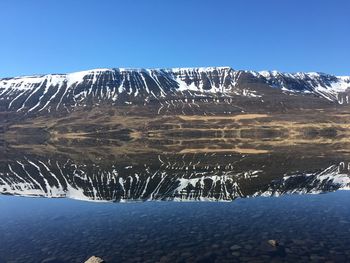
[58, 36]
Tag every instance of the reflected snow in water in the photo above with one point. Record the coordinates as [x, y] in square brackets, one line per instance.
[194, 207]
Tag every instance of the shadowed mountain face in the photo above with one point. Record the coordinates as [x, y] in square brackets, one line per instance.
[173, 134]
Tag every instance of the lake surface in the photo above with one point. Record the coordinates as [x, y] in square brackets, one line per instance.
[308, 228]
[68, 203]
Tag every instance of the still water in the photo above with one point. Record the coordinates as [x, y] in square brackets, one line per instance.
[308, 228]
[58, 206]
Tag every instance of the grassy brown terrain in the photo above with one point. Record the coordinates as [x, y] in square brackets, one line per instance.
[117, 132]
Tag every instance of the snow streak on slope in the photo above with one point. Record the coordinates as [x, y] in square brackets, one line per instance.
[129, 86]
[325, 85]
[52, 92]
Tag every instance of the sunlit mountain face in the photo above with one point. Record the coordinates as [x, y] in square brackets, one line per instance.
[179, 90]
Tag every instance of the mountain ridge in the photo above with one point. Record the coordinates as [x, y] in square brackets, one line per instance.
[176, 68]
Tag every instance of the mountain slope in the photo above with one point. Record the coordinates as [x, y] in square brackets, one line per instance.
[66, 92]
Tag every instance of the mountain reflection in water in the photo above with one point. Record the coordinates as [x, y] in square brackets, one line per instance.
[213, 176]
[308, 228]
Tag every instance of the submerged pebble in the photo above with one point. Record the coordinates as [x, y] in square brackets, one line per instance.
[95, 259]
[273, 242]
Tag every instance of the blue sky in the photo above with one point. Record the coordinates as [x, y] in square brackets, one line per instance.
[48, 36]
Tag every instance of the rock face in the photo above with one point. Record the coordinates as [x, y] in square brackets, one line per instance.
[94, 259]
[66, 92]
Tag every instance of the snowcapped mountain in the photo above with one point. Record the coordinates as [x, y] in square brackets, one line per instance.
[327, 86]
[65, 92]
